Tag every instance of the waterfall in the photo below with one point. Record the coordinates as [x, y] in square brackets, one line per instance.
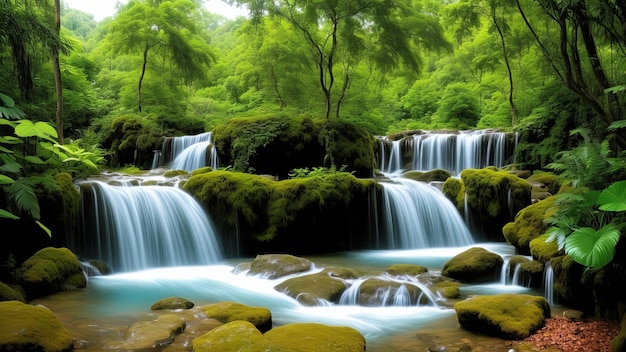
[548, 284]
[452, 151]
[389, 296]
[417, 215]
[141, 227]
[187, 152]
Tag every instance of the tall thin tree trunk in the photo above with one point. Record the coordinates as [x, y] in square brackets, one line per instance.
[143, 73]
[508, 68]
[57, 73]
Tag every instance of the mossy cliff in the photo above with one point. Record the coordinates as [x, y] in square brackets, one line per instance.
[492, 198]
[275, 145]
[303, 215]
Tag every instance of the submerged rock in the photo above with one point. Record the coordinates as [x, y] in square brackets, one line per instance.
[172, 303]
[25, 327]
[150, 334]
[474, 265]
[507, 316]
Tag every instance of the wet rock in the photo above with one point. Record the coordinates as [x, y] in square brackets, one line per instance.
[235, 336]
[51, 270]
[273, 266]
[507, 316]
[25, 327]
[150, 334]
[172, 303]
[311, 337]
[473, 265]
[309, 289]
[231, 311]
[378, 292]
[406, 269]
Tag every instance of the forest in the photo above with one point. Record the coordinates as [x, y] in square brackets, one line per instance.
[80, 96]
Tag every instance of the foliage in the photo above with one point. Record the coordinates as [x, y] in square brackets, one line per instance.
[588, 224]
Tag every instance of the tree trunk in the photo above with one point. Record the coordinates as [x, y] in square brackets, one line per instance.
[143, 73]
[57, 73]
[508, 67]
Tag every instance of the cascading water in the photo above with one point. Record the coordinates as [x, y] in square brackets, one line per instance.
[448, 151]
[187, 152]
[417, 215]
[142, 227]
[548, 283]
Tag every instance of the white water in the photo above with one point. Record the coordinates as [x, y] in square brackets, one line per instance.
[188, 152]
[548, 283]
[418, 215]
[135, 228]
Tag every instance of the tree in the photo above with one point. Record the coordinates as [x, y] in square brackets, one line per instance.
[57, 72]
[342, 34]
[165, 27]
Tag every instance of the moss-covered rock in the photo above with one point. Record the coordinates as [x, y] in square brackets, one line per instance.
[454, 189]
[172, 303]
[473, 265]
[493, 198]
[618, 343]
[311, 337]
[447, 289]
[51, 270]
[145, 335]
[542, 250]
[376, 292]
[8, 293]
[235, 336]
[569, 287]
[428, 176]
[25, 327]
[532, 273]
[174, 173]
[406, 269]
[231, 311]
[273, 266]
[507, 316]
[310, 289]
[529, 224]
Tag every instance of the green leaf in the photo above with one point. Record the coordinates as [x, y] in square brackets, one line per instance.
[25, 198]
[11, 167]
[613, 198]
[593, 248]
[27, 128]
[558, 235]
[34, 160]
[8, 215]
[615, 125]
[6, 180]
[45, 228]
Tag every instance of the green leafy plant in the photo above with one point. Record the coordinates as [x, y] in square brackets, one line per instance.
[588, 225]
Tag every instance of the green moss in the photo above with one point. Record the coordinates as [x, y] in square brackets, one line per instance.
[509, 316]
[489, 190]
[542, 250]
[529, 224]
[231, 311]
[406, 269]
[69, 212]
[174, 173]
[618, 343]
[447, 289]
[320, 285]
[50, 270]
[550, 180]
[172, 303]
[311, 337]
[236, 336]
[454, 189]
[429, 176]
[202, 170]
[26, 327]
[7, 293]
[473, 265]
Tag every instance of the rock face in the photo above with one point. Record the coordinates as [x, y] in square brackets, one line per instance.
[273, 266]
[507, 316]
[25, 327]
[226, 312]
[474, 265]
[51, 270]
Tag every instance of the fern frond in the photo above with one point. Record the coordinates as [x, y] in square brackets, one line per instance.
[24, 197]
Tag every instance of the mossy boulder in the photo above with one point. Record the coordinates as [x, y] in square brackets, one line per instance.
[235, 336]
[8, 293]
[172, 303]
[310, 289]
[618, 343]
[376, 292]
[428, 176]
[312, 337]
[569, 287]
[532, 273]
[51, 270]
[473, 265]
[406, 269]
[25, 327]
[273, 266]
[447, 289]
[454, 189]
[494, 197]
[529, 224]
[145, 335]
[507, 316]
[231, 311]
[542, 250]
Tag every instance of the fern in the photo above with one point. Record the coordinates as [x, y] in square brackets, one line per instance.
[23, 195]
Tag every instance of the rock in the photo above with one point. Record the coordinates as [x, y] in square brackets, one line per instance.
[150, 334]
[25, 327]
[231, 311]
[507, 316]
[428, 176]
[172, 303]
[618, 344]
[310, 337]
[447, 289]
[528, 225]
[378, 292]
[532, 271]
[273, 266]
[574, 315]
[7, 293]
[406, 269]
[51, 270]
[309, 289]
[235, 336]
[542, 250]
[473, 265]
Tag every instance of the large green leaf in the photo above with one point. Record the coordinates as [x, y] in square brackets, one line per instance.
[27, 128]
[614, 197]
[592, 248]
[6, 180]
[8, 215]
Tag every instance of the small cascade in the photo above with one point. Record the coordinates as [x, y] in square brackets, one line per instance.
[504, 272]
[187, 152]
[392, 295]
[141, 227]
[417, 215]
[452, 151]
[548, 284]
